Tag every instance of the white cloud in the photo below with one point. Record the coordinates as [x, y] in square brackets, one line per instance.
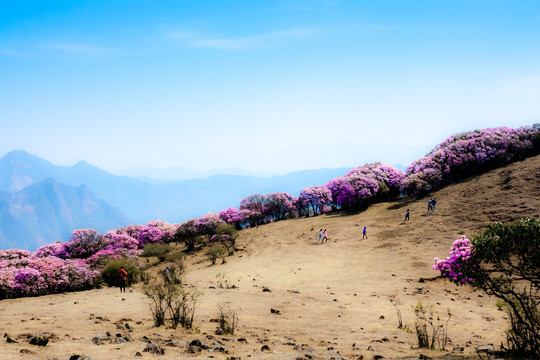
[194, 39]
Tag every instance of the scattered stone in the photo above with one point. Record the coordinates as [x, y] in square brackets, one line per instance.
[378, 357]
[9, 340]
[385, 339]
[197, 343]
[361, 357]
[234, 358]
[458, 349]
[295, 291]
[485, 349]
[265, 348]
[242, 340]
[80, 357]
[39, 340]
[370, 348]
[154, 349]
[265, 289]
[381, 317]
[26, 351]
[377, 340]
[138, 354]
[424, 357]
[275, 311]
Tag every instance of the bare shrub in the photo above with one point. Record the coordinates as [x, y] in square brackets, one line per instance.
[223, 282]
[228, 320]
[394, 300]
[425, 318]
[182, 304]
[158, 293]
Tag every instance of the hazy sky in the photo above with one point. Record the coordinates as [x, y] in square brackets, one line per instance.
[261, 85]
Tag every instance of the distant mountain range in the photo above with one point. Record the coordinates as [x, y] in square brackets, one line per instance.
[41, 202]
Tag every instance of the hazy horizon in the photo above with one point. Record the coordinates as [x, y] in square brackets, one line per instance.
[268, 87]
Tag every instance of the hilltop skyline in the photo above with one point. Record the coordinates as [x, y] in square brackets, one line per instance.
[267, 87]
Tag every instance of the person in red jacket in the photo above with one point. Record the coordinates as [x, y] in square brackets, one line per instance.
[122, 278]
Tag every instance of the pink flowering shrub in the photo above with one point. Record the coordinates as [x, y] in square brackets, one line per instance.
[45, 275]
[84, 243]
[457, 266]
[57, 249]
[167, 230]
[362, 185]
[381, 173]
[469, 154]
[14, 254]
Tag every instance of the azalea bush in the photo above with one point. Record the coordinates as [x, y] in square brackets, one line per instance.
[365, 184]
[458, 265]
[504, 262]
[45, 275]
[467, 154]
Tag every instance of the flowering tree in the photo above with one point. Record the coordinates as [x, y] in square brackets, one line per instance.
[187, 233]
[468, 154]
[253, 207]
[279, 206]
[233, 216]
[314, 197]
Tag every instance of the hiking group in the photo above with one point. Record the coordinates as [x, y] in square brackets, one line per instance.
[323, 236]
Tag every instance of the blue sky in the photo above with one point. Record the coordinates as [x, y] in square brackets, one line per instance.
[269, 86]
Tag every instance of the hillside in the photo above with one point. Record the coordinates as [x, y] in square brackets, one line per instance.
[332, 298]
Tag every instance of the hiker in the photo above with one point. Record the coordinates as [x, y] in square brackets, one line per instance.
[122, 278]
[325, 236]
[429, 205]
[433, 202]
[364, 233]
[406, 215]
[320, 236]
[167, 274]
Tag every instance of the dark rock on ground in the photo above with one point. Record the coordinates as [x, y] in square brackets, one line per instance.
[39, 340]
[265, 348]
[154, 349]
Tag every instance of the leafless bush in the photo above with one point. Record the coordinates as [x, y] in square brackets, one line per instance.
[394, 300]
[228, 320]
[425, 317]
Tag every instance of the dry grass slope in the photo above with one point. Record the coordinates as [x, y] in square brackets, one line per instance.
[332, 298]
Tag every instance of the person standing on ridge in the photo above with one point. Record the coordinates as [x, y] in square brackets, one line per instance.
[325, 236]
[406, 215]
[429, 205]
[122, 278]
[364, 233]
[320, 236]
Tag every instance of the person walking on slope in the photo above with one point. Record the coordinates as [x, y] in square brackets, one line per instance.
[122, 278]
[364, 233]
[433, 202]
[320, 236]
[406, 215]
[429, 205]
[325, 236]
